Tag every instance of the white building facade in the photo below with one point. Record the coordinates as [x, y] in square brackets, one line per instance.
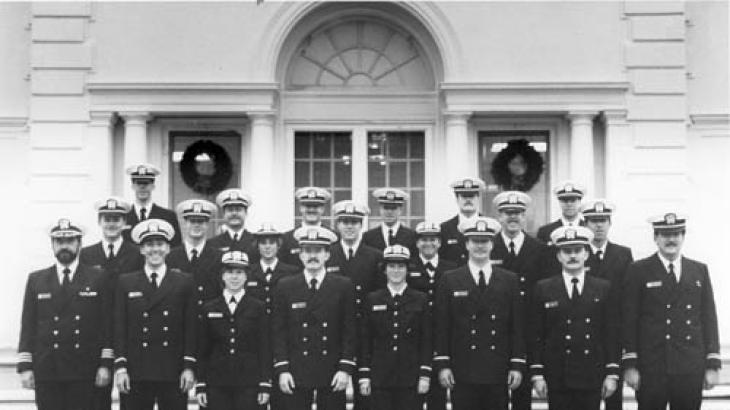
[629, 98]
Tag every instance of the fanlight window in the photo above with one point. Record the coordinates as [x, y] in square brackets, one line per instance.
[359, 54]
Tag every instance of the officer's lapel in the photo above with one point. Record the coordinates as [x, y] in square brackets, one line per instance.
[163, 289]
[688, 279]
[668, 290]
[57, 294]
[316, 299]
[561, 291]
[79, 279]
[467, 282]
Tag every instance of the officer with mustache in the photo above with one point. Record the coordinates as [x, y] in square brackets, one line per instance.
[573, 348]
[65, 340]
[314, 329]
[670, 335]
[234, 204]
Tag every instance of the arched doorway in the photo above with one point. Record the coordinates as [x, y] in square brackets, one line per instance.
[359, 103]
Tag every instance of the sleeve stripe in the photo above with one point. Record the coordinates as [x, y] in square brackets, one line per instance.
[199, 385]
[284, 363]
[536, 366]
[630, 355]
[518, 360]
[120, 359]
[350, 362]
[426, 368]
[190, 359]
[442, 358]
[24, 357]
[107, 353]
[713, 355]
[263, 384]
[364, 369]
[612, 365]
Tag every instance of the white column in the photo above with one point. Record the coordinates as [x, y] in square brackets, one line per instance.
[262, 185]
[102, 150]
[458, 158]
[581, 149]
[618, 139]
[135, 142]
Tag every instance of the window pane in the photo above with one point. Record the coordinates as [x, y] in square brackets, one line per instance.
[301, 146]
[343, 174]
[343, 144]
[398, 146]
[417, 170]
[321, 174]
[341, 195]
[301, 173]
[417, 147]
[398, 175]
[322, 146]
[418, 201]
[376, 174]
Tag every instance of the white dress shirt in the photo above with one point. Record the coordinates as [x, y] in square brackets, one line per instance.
[384, 229]
[354, 246]
[595, 249]
[474, 269]
[568, 279]
[318, 275]
[397, 292]
[138, 209]
[677, 263]
[227, 294]
[518, 240]
[161, 271]
[72, 267]
[116, 245]
[434, 261]
[189, 249]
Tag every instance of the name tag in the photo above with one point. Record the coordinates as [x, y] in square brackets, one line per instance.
[299, 305]
[551, 304]
[496, 262]
[461, 293]
[42, 296]
[88, 294]
[655, 284]
[252, 284]
[414, 274]
[295, 251]
[215, 315]
[452, 241]
[333, 269]
[224, 248]
[379, 308]
[132, 295]
[699, 284]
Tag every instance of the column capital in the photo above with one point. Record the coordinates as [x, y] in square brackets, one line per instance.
[615, 117]
[135, 117]
[581, 116]
[261, 117]
[457, 116]
[101, 118]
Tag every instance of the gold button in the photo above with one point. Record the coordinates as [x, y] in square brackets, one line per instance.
[669, 321]
[200, 288]
[144, 344]
[324, 353]
[233, 340]
[55, 332]
[76, 346]
[473, 347]
[145, 314]
[77, 331]
[305, 353]
[305, 324]
[55, 345]
[567, 337]
[232, 351]
[493, 347]
[164, 343]
[55, 318]
[689, 322]
[395, 348]
[144, 330]
[668, 337]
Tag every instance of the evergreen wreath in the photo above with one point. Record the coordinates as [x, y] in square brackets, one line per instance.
[222, 167]
[506, 180]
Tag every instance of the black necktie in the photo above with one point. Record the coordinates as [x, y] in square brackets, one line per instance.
[574, 296]
[194, 258]
[430, 266]
[269, 272]
[235, 237]
[599, 255]
[142, 214]
[153, 275]
[512, 248]
[349, 253]
[672, 276]
[396, 299]
[111, 252]
[232, 302]
[482, 281]
[313, 285]
[391, 238]
[66, 278]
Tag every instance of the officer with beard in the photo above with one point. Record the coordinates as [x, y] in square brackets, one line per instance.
[154, 326]
[670, 336]
[65, 344]
[313, 328]
[468, 197]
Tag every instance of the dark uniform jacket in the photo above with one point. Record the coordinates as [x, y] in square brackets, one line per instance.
[453, 242]
[364, 269]
[127, 259]
[206, 271]
[668, 328]
[396, 346]
[246, 243]
[154, 330]
[259, 288]
[155, 212]
[289, 251]
[234, 349]
[479, 336]
[64, 335]
[574, 344]
[404, 236]
[314, 335]
[420, 279]
[528, 265]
